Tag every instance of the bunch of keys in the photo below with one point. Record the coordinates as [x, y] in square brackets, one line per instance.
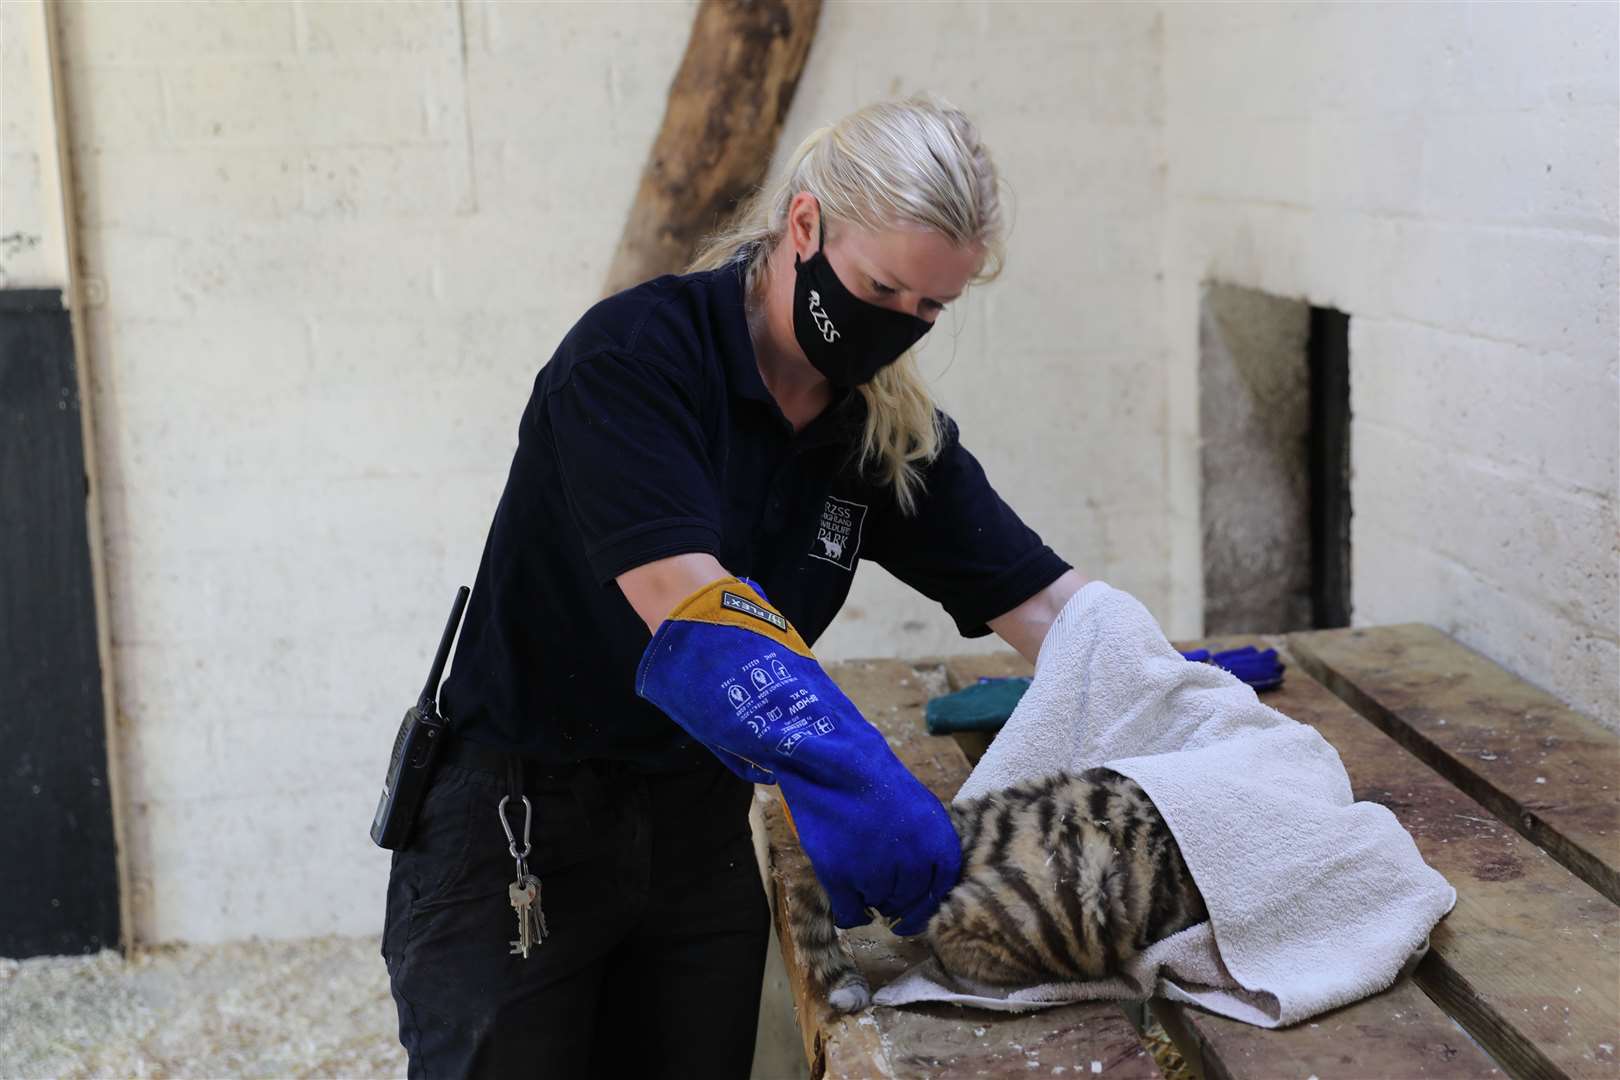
[525, 891]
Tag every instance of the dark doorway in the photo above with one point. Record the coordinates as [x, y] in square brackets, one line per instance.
[1274, 412]
[58, 865]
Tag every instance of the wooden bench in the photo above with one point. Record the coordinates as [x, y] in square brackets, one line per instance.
[1512, 796]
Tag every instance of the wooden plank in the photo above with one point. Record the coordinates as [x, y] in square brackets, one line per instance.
[1528, 962]
[1546, 770]
[1399, 1033]
[945, 1041]
[926, 1041]
[818, 1024]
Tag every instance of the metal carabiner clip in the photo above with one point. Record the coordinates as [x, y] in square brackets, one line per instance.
[511, 841]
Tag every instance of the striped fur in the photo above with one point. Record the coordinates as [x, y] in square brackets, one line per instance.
[1063, 878]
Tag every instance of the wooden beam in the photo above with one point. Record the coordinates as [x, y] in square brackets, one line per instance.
[1527, 962]
[725, 111]
[1538, 765]
[1396, 1033]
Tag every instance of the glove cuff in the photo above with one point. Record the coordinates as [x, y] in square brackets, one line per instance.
[733, 601]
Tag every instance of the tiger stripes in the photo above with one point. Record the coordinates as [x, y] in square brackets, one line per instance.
[1063, 878]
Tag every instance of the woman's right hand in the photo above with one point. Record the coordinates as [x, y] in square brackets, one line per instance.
[729, 669]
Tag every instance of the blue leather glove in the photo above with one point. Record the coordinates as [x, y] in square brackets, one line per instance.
[744, 768]
[1261, 670]
[729, 669]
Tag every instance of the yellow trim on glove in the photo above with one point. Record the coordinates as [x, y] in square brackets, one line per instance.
[745, 609]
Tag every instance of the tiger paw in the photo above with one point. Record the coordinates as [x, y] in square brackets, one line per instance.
[851, 995]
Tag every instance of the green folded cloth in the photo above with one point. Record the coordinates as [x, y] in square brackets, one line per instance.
[984, 706]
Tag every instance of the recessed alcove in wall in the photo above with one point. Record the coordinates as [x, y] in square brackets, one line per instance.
[1274, 416]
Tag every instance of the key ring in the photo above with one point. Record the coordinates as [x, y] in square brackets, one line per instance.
[511, 841]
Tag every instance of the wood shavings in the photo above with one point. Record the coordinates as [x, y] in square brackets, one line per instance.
[315, 1007]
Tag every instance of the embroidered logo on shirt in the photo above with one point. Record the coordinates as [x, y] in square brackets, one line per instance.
[838, 534]
[748, 607]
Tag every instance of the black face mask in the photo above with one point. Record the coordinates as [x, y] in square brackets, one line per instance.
[847, 339]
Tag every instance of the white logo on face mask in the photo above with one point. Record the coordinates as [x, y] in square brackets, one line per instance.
[823, 323]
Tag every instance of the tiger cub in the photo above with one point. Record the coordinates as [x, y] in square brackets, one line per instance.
[1063, 878]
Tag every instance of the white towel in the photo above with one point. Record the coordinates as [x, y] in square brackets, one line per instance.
[1315, 900]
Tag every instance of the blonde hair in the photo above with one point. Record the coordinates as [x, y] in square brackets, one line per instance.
[916, 161]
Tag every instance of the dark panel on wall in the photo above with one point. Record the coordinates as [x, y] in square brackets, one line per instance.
[1329, 351]
[1253, 417]
[58, 866]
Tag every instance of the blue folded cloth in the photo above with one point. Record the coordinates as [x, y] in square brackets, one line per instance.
[1261, 670]
[986, 704]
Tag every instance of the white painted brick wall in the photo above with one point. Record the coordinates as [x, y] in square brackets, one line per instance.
[1446, 174]
[337, 241]
[1051, 370]
[33, 243]
[333, 260]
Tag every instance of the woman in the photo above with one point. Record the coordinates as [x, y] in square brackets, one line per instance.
[700, 467]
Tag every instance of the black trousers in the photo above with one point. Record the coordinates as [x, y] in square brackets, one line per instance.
[658, 928]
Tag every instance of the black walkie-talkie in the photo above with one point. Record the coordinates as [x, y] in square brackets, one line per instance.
[415, 747]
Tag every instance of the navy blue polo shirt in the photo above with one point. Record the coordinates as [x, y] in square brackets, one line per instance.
[650, 434]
